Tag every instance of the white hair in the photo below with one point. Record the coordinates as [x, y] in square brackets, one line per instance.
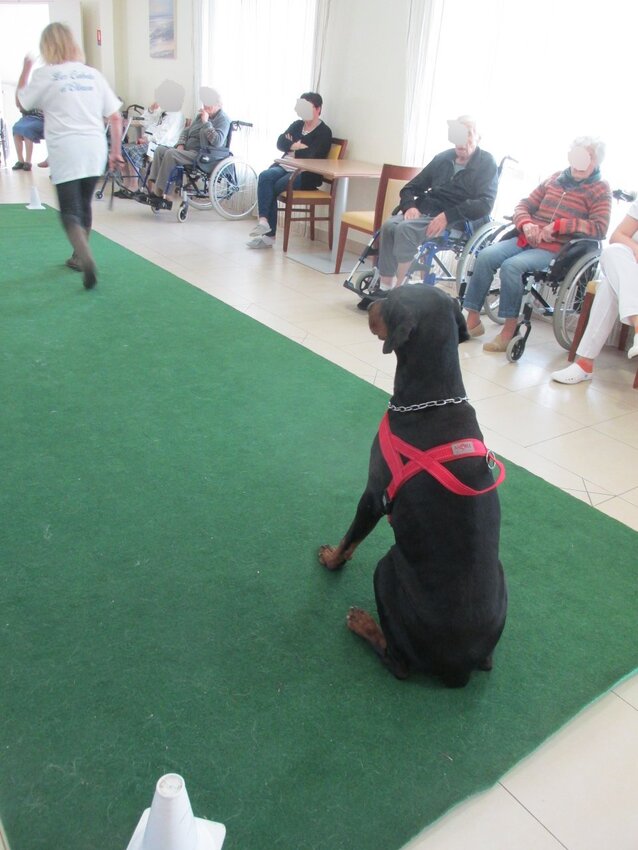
[594, 144]
[470, 123]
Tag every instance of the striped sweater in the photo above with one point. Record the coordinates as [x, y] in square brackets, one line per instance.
[576, 209]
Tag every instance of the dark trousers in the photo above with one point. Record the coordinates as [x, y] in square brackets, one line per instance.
[272, 182]
[75, 199]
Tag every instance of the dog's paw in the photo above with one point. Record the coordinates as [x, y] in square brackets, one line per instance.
[331, 557]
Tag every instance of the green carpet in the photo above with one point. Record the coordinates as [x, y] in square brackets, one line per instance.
[169, 469]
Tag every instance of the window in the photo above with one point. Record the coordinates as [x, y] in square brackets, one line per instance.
[534, 76]
[259, 56]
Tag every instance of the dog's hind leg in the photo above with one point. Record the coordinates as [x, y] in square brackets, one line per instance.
[486, 664]
[363, 624]
[367, 516]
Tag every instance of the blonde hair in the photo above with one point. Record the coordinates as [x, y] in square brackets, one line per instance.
[57, 45]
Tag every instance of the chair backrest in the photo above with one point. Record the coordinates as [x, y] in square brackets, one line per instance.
[393, 179]
[337, 148]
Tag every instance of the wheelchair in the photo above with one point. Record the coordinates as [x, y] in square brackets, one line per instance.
[447, 260]
[216, 180]
[556, 292]
[120, 182]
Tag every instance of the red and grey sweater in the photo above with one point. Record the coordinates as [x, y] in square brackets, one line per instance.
[576, 209]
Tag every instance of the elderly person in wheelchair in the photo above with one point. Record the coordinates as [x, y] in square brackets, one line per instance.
[572, 203]
[458, 185]
[208, 131]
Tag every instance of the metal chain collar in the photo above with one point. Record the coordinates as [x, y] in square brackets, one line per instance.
[408, 408]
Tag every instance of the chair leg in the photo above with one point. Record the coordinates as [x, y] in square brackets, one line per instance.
[343, 232]
[582, 324]
[622, 337]
[312, 222]
[287, 223]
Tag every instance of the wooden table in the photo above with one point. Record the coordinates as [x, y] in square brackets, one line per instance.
[340, 170]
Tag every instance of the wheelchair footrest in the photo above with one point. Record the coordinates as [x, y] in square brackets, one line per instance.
[152, 201]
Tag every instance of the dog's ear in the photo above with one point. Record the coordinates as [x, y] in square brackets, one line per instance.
[400, 321]
[460, 322]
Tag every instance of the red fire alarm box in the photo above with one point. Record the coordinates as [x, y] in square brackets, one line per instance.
[99, 38]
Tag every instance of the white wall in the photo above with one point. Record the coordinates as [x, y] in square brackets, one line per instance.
[363, 83]
[137, 75]
[362, 79]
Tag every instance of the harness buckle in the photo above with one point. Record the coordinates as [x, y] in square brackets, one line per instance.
[387, 502]
[490, 459]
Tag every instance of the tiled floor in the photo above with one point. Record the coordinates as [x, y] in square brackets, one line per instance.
[578, 791]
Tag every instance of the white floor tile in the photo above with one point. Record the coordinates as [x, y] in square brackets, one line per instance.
[581, 784]
[490, 821]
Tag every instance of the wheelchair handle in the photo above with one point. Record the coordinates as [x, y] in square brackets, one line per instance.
[237, 124]
[622, 195]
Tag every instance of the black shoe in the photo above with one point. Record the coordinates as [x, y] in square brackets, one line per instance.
[73, 263]
[18, 166]
[90, 277]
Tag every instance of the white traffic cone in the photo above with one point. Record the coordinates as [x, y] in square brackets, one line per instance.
[170, 825]
[35, 203]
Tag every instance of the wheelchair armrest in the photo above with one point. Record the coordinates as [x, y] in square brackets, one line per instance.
[569, 253]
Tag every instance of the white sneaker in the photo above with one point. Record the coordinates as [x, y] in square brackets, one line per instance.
[260, 230]
[261, 242]
[573, 374]
[633, 351]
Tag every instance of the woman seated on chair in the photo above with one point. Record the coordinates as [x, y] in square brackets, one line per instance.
[616, 297]
[571, 203]
[308, 138]
[209, 129]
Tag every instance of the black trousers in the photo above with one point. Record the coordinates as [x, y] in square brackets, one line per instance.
[75, 198]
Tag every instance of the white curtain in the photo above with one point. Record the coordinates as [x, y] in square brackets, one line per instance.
[478, 58]
[422, 53]
[322, 19]
[259, 56]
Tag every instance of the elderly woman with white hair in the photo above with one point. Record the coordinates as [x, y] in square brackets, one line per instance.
[207, 132]
[571, 203]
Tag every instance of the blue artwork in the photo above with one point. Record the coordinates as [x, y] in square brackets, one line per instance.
[161, 29]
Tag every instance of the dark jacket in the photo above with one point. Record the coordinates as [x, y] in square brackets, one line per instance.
[318, 141]
[468, 195]
[206, 136]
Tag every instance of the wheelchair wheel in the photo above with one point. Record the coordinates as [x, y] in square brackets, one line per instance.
[233, 189]
[492, 300]
[571, 294]
[4, 137]
[197, 189]
[483, 237]
[99, 195]
[515, 349]
[366, 282]
[182, 212]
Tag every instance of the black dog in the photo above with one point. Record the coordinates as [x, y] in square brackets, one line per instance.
[440, 590]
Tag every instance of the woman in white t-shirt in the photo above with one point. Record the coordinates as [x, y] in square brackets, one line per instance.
[616, 297]
[75, 99]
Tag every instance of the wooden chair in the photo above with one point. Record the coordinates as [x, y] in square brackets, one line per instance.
[583, 319]
[305, 201]
[393, 179]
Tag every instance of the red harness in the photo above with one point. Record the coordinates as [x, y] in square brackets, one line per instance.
[431, 461]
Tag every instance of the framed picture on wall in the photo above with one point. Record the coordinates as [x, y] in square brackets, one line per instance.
[161, 29]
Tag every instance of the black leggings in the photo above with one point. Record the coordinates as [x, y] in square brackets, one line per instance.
[75, 198]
